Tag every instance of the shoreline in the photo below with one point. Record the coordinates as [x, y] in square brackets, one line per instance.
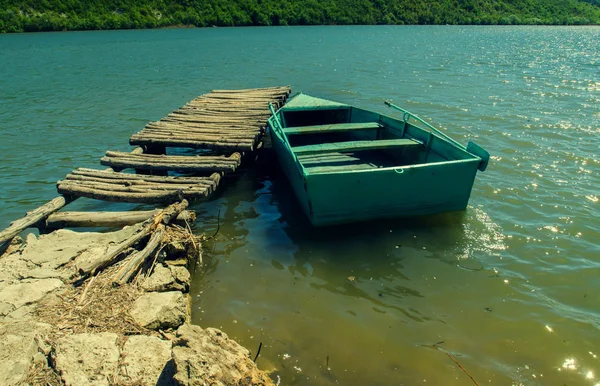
[68, 331]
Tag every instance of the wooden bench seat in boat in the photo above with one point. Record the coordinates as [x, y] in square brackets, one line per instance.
[350, 146]
[334, 127]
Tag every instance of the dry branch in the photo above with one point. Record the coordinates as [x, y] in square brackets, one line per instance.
[107, 219]
[32, 217]
[163, 217]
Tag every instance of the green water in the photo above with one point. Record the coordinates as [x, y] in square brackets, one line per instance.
[510, 286]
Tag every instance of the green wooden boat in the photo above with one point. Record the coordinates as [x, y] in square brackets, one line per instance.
[347, 164]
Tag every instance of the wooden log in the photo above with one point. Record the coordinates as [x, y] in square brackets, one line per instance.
[164, 217]
[211, 120]
[109, 195]
[233, 111]
[220, 145]
[183, 134]
[134, 177]
[233, 158]
[158, 189]
[137, 259]
[205, 123]
[32, 217]
[123, 163]
[227, 103]
[136, 184]
[200, 128]
[274, 89]
[227, 108]
[108, 219]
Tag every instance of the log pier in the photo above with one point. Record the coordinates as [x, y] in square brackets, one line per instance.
[115, 306]
[223, 124]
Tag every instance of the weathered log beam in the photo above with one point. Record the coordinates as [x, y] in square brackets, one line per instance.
[273, 89]
[134, 185]
[32, 217]
[191, 190]
[110, 195]
[233, 158]
[183, 134]
[222, 145]
[202, 128]
[231, 112]
[164, 217]
[134, 177]
[108, 219]
[123, 163]
[137, 259]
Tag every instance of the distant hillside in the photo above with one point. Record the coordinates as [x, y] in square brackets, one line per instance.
[58, 15]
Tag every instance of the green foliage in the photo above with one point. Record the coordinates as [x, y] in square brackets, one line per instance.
[61, 15]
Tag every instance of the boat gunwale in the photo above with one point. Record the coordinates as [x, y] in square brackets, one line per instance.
[305, 172]
[394, 168]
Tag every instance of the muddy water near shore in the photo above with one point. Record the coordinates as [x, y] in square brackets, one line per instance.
[509, 286]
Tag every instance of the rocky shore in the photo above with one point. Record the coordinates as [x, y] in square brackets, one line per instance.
[59, 328]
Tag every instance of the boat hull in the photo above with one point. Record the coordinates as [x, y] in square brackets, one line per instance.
[437, 177]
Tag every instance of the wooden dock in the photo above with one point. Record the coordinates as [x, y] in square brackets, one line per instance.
[223, 125]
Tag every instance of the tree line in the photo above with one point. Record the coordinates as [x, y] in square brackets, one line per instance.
[64, 15]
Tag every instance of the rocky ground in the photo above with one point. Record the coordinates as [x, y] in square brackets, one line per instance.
[58, 328]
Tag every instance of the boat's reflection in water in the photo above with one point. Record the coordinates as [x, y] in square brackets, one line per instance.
[360, 299]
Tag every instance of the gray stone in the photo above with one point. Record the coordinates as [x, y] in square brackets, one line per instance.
[160, 310]
[182, 276]
[15, 244]
[28, 292]
[88, 359]
[19, 347]
[209, 357]
[144, 359]
[6, 308]
[162, 280]
[56, 249]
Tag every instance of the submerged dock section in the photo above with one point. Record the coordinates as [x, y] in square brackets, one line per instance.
[223, 125]
[113, 308]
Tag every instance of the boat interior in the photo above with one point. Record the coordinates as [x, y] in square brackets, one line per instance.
[344, 139]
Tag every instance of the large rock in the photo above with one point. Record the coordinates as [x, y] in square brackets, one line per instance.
[160, 310]
[146, 361]
[88, 359]
[56, 249]
[209, 357]
[28, 292]
[182, 276]
[162, 280]
[19, 347]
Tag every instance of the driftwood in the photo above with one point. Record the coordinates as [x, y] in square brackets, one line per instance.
[137, 259]
[110, 195]
[108, 219]
[122, 187]
[195, 164]
[141, 179]
[32, 218]
[165, 216]
[166, 141]
[274, 89]
[183, 133]
[203, 128]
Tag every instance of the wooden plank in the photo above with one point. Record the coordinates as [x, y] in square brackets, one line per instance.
[192, 165]
[335, 127]
[204, 144]
[108, 219]
[350, 146]
[32, 218]
[142, 177]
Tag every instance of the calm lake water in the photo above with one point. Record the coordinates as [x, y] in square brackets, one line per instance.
[509, 288]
